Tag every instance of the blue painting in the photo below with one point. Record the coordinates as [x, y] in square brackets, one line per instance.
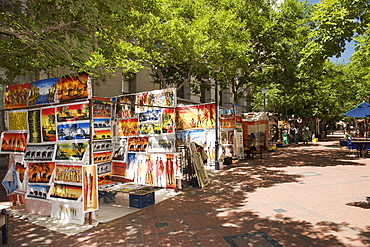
[42, 91]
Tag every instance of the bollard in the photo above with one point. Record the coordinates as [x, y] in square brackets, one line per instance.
[3, 221]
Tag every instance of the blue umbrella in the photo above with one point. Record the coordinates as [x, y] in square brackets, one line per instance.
[362, 110]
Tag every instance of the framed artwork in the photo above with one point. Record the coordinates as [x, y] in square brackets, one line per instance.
[13, 142]
[17, 120]
[40, 172]
[48, 124]
[90, 188]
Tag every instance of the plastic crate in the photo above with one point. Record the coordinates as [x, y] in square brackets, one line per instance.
[141, 201]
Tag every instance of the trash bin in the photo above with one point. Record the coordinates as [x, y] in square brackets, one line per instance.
[285, 138]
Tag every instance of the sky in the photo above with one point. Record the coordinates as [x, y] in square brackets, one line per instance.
[349, 48]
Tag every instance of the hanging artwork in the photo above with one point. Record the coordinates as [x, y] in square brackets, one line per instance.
[39, 152]
[140, 169]
[63, 191]
[137, 143]
[70, 151]
[73, 131]
[104, 168]
[162, 97]
[164, 143]
[131, 166]
[34, 126]
[105, 179]
[198, 136]
[119, 168]
[197, 162]
[170, 162]
[37, 191]
[102, 145]
[101, 157]
[17, 120]
[68, 173]
[102, 108]
[74, 87]
[48, 124]
[150, 129]
[102, 134]
[168, 121]
[196, 116]
[16, 96]
[227, 123]
[73, 112]
[40, 172]
[149, 164]
[42, 92]
[120, 150]
[90, 188]
[21, 172]
[125, 107]
[142, 102]
[102, 123]
[127, 127]
[150, 116]
[159, 168]
[13, 142]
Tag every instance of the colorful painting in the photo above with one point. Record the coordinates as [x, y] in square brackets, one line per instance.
[162, 97]
[150, 172]
[39, 152]
[101, 157]
[125, 106]
[198, 136]
[101, 134]
[42, 92]
[73, 112]
[69, 173]
[102, 108]
[73, 131]
[16, 96]
[131, 166]
[34, 126]
[170, 168]
[151, 116]
[90, 188]
[17, 120]
[142, 102]
[119, 168]
[158, 144]
[65, 192]
[196, 116]
[140, 169]
[105, 179]
[159, 169]
[102, 123]
[150, 129]
[227, 123]
[128, 127]
[40, 172]
[13, 142]
[37, 191]
[48, 124]
[73, 87]
[137, 144]
[70, 151]
[168, 121]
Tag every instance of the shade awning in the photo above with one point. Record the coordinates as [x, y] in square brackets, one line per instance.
[361, 110]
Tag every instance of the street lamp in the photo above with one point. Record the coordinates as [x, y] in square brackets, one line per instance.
[264, 91]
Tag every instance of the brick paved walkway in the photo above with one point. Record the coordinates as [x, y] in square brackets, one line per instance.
[296, 196]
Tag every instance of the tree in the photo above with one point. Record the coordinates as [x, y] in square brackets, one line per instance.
[44, 35]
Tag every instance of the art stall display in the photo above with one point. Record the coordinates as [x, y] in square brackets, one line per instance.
[47, 138]
[146, 140]
[255, 130]
[231, 132]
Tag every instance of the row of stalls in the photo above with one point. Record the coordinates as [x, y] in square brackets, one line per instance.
[63, 144]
